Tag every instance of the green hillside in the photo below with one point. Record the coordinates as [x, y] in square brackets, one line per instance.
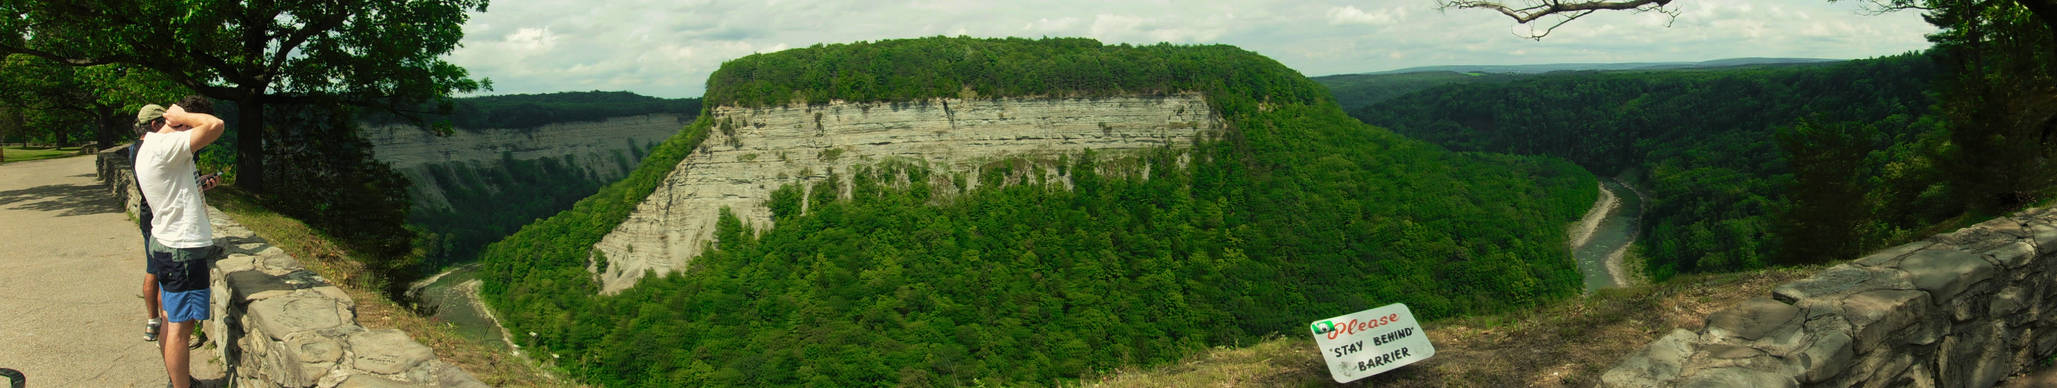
[1355, 91]
[1742, 168]
[1297, 212]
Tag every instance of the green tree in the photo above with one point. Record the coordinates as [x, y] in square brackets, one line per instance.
[259, 53]
[1826, 214]
[65, 100]
[2001, 98]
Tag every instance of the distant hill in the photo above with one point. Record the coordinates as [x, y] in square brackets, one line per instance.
[1355, 91]
[528, 111]
[1550, 67]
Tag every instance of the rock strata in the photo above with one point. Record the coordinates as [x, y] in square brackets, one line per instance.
[602, 148]
[1963, 309]
[753, 151]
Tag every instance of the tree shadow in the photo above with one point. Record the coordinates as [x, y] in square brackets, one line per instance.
[66, 199]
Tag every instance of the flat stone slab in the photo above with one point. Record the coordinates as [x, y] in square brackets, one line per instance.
[1839, 280]
[278, 317]
[387, 351]
[1751, 319]
[1945, 272]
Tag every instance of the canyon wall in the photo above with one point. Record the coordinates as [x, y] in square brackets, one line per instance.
[1963, 309]
[607, 150]
[752, 151]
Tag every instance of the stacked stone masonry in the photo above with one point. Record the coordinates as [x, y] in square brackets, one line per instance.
[276, 324]
[1963, 309]
[755, 150]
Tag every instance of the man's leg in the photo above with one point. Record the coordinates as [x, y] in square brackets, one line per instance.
[151, 300]
[153, 308]
[178, 356]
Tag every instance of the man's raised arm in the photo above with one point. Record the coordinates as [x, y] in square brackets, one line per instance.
[206, 128]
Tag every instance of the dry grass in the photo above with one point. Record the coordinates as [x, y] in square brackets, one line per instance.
[1564, 344]
[323, 256]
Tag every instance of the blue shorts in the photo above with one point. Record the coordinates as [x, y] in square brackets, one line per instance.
[183, 306]
[180, 269]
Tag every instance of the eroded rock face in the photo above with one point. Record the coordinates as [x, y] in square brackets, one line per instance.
[753, 151]
[601, 148]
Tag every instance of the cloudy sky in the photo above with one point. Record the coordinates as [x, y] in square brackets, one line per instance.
[667, 48]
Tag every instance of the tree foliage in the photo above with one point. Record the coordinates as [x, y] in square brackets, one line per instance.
[1705, 148]
[1295, 213]
[64, 105]
[258, 53]
[2000, 97]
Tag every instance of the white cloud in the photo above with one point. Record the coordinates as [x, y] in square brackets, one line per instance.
[1349, 14]
[668, 47]
[532, 40]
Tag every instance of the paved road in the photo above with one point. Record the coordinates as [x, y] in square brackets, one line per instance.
[71, 271]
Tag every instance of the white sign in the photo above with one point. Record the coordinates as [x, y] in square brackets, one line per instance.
[1371, 342]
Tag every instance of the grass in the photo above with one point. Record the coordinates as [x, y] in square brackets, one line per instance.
[26, 153]
[329, 259]
[1563, 344]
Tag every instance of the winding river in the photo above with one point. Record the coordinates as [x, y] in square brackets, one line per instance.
[453, 296]
[1603, 236]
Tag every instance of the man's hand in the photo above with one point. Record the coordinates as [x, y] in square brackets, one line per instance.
[209, 181]
[206, 128]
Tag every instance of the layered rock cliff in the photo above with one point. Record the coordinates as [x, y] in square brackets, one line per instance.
[753, 151]
[606, 149]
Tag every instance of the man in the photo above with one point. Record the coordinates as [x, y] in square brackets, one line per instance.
[182, 237]
[151, 119]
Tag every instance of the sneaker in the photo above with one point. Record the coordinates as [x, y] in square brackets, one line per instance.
[150, 329]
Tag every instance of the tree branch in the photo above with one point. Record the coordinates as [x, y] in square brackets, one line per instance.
[1569, 10]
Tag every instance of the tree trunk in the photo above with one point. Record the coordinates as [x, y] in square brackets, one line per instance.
[250, 143]
[111, 126]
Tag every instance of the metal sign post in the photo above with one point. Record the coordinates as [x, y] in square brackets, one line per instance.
[1370, 342]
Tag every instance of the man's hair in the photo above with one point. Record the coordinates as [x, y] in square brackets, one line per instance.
[197, 104]
[148, 127]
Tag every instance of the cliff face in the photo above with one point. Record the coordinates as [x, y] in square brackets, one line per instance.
[606, 150]
[753, 151]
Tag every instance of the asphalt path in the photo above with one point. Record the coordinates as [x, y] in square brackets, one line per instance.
[71, 276]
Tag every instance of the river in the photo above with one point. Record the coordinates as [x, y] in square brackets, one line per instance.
[1603, 236]
[453, 296]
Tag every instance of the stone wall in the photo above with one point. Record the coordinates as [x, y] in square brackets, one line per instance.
[276, 324]
[1963, 309]
[753, 151]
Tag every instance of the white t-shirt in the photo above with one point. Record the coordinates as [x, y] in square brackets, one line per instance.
[164, 173]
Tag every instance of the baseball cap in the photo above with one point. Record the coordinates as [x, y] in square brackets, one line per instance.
[149, 112]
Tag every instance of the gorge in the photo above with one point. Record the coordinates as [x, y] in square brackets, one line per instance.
[756, 150]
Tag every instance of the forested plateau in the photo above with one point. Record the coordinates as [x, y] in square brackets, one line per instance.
[1294, 212]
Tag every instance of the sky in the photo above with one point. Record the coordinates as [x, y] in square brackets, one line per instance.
[666, 48]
